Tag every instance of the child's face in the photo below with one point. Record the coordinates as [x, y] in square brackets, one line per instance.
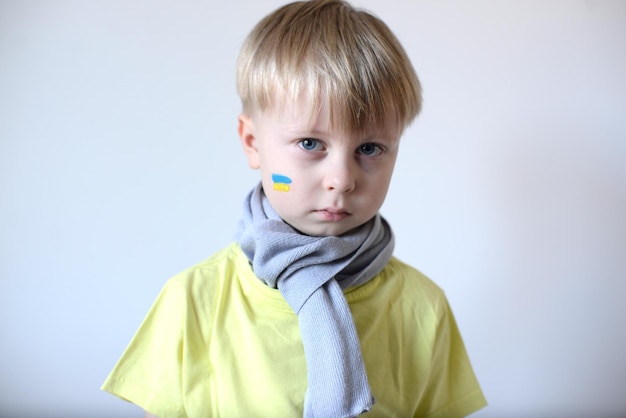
[320, 180]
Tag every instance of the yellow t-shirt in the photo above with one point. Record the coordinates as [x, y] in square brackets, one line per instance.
[219, 343]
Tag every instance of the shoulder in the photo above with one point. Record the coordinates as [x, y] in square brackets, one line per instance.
[211, 271]
[225, 260]
[409, 284]
[402, 293]
[410, 276]
[203, 284]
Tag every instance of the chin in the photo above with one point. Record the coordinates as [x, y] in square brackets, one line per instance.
[320, 232]
[332, 232]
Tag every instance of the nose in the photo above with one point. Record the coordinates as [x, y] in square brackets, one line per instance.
[340, 176]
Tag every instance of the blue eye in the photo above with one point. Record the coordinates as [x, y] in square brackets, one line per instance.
[370, 149]
[310, 144]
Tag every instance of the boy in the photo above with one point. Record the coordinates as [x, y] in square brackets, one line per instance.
[308, 313]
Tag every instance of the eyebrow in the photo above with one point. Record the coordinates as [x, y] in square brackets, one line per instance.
[305, 130]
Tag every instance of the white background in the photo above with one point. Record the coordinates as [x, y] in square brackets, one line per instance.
[120, 166]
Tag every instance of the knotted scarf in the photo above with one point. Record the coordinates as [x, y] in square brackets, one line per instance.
[311, 273]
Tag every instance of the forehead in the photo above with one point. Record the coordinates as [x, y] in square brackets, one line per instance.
[318, 116]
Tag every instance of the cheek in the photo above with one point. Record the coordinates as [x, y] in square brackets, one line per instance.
[281, 182]
[279, 189]
[380, 175]
[379, 185]
[281, 195]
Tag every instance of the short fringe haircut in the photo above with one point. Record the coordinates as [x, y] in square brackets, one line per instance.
[333, 53]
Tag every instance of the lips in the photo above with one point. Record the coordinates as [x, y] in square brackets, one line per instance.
[333, 214]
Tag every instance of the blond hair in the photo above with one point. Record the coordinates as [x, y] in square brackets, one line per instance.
[334, 53]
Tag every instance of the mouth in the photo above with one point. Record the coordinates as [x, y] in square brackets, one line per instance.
[333, 214]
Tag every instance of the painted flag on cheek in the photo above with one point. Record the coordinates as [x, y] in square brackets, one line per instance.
[281, 183]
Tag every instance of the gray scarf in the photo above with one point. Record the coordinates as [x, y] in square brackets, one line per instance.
[311, 273]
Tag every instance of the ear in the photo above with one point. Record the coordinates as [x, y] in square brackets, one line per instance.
[248, 141]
